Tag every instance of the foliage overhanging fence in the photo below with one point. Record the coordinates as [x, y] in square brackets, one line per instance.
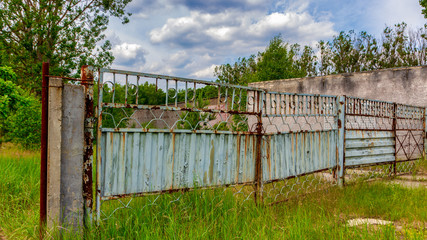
[256, 144]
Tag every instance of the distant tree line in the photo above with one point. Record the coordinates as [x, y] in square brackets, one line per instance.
[347, 52]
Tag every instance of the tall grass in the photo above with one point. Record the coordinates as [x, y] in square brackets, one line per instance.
[19, 192]
[217, 214]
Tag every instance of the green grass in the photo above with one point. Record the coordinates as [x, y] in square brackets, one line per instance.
[19, 192]
[217, 214]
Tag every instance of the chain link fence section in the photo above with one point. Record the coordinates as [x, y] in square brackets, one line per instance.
[299, 145]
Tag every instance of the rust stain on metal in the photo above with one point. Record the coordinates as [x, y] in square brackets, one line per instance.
[268, 140]
[212, 162]
[173, 158]
[87, 82]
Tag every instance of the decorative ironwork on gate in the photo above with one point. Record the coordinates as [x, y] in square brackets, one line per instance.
[162, 134]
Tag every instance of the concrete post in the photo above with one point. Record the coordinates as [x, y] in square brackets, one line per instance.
[54, 144]
[65, 155]
[341, 139]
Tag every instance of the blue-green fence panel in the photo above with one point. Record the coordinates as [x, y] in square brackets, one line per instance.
[367, 147]
[141, 162]
[293, 154]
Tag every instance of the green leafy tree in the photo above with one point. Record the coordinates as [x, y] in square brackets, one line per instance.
[393, 51]
[20, 112]
[64, 33]
[277, 61]
[345, 57]
[307, 62]
[240, 73]
[367, 46]
[325, 60]
[423, 4]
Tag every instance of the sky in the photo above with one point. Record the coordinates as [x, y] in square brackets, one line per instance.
[188, 38]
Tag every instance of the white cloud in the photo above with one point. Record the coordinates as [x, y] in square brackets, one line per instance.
[205, 73]
[390, 12]
[128, 54]
[206, 40]
[204, 30]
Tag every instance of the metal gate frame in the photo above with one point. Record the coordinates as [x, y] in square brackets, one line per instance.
[378, 124]
[372, 117]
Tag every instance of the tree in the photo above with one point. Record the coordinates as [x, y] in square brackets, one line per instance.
[277, 61]
[423, 4]
[64, 33]
[345, 53]
[20, 114]
[325, 62]
[240, 73]
[307, 62]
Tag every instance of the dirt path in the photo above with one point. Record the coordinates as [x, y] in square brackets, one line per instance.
[411, 181]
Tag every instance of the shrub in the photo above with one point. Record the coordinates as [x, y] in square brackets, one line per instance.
[20, 112]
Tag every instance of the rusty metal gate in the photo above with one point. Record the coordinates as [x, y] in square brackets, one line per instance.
[383, 133]
[161, 134]
[197, 135]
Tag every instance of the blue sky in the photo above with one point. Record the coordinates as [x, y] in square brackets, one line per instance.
[188, 38]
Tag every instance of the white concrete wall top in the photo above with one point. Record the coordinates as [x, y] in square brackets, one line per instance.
[406, 85]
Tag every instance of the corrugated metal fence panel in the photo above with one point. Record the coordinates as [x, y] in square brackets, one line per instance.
[366, 147]
[135, 162]
[293, 154]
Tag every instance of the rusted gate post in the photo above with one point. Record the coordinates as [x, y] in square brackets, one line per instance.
[341, 139]
[258, 158]
[43, 149]
[425, 134]
[394, 128]
[87, 82]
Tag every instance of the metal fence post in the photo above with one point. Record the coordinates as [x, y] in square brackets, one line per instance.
[258, 163]
[98, 147]
[87, 82]
[425, 134]
[394, 127]
[341, 139]
[43, 149]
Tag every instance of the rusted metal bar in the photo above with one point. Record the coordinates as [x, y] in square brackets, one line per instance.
[395, 137]
[71, 79]
[98, 148]
[425, 133]
[43, 149]
[258, 163]
[341, 100]
[87, 82]
[144, 194]
[180, 79]
[170, 108]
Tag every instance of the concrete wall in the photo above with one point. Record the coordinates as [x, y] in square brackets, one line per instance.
[402, 85]
[167, 119]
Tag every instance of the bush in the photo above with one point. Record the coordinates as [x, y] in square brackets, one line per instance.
[20, 113]
[25, 125]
